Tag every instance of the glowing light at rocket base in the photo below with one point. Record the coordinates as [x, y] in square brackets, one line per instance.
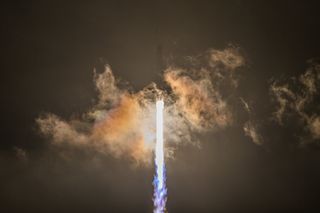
[160, 190]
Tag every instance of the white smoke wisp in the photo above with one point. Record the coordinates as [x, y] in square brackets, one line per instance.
[250, 130]
[250, 127]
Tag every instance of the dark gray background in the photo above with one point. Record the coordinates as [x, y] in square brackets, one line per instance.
[48, 52]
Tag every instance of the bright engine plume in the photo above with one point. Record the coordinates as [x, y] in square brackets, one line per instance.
[160, 190]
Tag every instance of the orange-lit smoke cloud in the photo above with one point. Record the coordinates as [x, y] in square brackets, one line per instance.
[122, 123]
[297, 98]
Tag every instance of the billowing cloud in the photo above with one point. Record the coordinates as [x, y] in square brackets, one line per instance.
[119, 125]
[230, 58]
[199, 102]
[122, 122]
[296, 97]
[314, 127]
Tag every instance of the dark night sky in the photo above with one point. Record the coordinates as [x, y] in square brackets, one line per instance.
[49, 49]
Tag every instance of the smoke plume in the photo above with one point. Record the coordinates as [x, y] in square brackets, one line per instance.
[122, 122]
[297, 98]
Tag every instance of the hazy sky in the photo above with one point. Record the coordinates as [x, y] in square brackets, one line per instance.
[49, 52]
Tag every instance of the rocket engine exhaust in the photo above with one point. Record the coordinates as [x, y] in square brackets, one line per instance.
[159, 182]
